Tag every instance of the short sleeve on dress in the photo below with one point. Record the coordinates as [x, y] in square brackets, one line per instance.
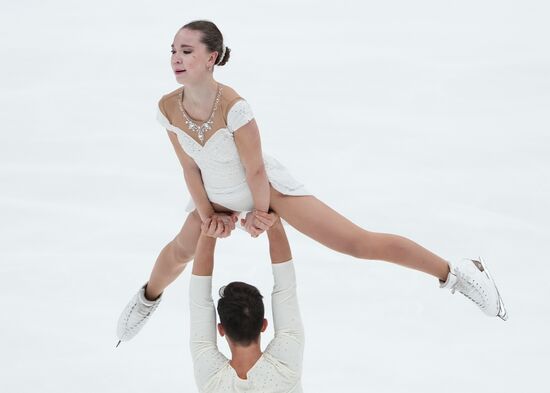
[239, 115]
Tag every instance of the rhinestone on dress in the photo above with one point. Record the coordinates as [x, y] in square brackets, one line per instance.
[206, 126]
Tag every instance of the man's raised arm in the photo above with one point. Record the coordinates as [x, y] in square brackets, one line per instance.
[288, 344]
[207, 360]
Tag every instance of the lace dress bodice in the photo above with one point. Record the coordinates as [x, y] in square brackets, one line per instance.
[222, 172]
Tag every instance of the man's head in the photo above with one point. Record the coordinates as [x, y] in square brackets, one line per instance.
[241, 311]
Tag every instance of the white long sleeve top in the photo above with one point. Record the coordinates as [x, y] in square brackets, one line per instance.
[279, 369]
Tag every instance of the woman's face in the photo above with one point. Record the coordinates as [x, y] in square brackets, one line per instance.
[190, 57]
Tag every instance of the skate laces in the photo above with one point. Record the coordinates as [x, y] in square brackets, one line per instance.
[142, 311]
[470, 287]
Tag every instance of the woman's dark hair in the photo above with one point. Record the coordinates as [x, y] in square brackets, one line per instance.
[211, 37]
[241, 311]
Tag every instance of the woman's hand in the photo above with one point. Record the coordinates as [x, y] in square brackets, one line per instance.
[256, 222]
[219, 225]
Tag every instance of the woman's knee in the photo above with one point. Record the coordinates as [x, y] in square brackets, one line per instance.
[183, 248]
[195, 217]
[181, 251]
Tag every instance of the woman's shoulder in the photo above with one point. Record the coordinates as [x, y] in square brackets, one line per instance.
[236, 111]
[169, 102]
[228, 98]
[229, 94]
[172, 96]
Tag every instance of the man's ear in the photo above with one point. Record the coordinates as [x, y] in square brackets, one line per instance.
[264, 325]
[221, 330]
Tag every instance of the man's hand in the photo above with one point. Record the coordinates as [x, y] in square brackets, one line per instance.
[256, 222]
[219, 225]
[266, 221]
[248, 224]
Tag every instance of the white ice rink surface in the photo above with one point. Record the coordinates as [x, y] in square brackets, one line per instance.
[427, 119]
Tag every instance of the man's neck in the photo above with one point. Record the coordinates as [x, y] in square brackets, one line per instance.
[244, 358]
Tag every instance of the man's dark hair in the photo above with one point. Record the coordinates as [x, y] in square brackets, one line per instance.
[241, 311]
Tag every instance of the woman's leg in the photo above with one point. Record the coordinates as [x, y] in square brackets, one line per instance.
[318, 221]
[174, 256]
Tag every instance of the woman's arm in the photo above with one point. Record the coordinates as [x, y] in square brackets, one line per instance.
[193, 179]
[247, 139]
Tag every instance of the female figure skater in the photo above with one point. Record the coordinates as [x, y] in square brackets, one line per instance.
[217, 142]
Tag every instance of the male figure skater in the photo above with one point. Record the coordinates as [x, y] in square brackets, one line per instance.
[241, 312]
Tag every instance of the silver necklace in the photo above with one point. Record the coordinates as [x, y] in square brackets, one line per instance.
[207, 125]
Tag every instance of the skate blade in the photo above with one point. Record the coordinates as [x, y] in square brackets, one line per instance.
[502, 313]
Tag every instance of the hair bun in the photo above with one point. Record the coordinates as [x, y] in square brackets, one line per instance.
[211, 37]
[225, 57]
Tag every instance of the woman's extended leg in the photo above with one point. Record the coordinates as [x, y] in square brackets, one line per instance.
[170, 263]
[174, 256]
[318, 221]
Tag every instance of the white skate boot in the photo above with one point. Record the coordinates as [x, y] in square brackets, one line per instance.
[471, 278]
[135, 315]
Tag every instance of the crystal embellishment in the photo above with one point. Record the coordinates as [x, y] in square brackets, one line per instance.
[206, 126]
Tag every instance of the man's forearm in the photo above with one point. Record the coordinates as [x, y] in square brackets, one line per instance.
[279, 249]
[203, 264]
[259, 187]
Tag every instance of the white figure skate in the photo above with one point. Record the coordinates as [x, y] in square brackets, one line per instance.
[471, 278]
[135, 315]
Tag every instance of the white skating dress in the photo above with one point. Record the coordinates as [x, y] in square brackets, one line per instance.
[222, 172]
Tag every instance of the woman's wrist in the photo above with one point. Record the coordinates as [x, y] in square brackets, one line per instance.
[205, 213]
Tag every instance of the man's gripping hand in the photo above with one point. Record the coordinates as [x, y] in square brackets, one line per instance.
[219, 225]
